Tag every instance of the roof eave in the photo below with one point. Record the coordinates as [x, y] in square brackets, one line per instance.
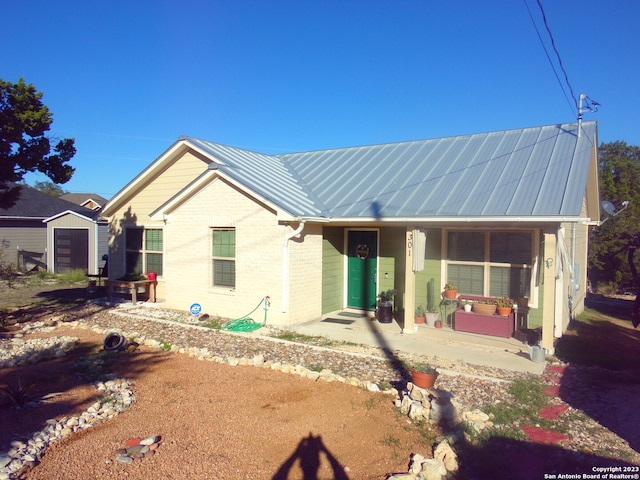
[211, 174]
[178, 147]
[68, 212]
[465, 220]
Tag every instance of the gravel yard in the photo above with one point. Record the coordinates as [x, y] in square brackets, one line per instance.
[223, 421]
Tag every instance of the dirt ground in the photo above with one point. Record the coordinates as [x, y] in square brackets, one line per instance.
[216, 421]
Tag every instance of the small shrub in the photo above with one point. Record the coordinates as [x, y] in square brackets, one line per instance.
[7, 269]
[73, 276]
[16, 394]
[390, 441]
[214, 323]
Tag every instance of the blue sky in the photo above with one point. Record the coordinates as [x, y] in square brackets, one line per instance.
[126, 79]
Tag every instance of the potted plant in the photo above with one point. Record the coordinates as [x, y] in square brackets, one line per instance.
[420, 315]
[484, 307]
[505, 305]
[423, 375]
[385, 306]
[466, 305]
[431, 317]
[450, 290]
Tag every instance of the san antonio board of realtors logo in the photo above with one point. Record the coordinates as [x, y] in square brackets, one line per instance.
[362, 251]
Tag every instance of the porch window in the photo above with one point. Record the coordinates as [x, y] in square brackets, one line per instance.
[144, 250]
[494, 264]
[224, 257]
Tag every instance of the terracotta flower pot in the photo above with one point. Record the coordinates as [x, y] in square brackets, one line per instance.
[423, 380]
[419, 320]
[504, 311]
[484, 308]
[450, 293]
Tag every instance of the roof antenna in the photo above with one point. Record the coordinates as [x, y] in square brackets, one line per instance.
[590, 105]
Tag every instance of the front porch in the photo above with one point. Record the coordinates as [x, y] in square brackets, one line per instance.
[357, 326]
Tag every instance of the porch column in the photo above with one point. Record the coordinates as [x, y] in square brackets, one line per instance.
[409, 284]
[548, 305]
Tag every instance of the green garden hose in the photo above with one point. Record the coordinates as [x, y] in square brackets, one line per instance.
[246, 324]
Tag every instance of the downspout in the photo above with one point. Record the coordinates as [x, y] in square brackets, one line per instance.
[574, 279]
[285, 265]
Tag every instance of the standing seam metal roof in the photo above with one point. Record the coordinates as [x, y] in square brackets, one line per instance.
[539, 171]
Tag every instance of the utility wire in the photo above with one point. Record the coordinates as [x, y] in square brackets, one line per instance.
[544, 47]
[553, 44]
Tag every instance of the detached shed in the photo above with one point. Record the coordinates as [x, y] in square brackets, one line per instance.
[76, 242]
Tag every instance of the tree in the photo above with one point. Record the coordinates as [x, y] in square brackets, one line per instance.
[611, 242]
[24, 145]
[49, 188]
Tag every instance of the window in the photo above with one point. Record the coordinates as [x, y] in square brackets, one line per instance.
[144, 250]
[493, 264]
[224, 257]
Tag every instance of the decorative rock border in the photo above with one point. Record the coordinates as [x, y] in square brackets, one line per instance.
[116, 397]
[432, 405]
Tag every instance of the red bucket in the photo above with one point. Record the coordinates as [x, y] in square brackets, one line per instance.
[151, 276]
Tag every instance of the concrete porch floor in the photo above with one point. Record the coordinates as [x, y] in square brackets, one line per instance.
[357, 327]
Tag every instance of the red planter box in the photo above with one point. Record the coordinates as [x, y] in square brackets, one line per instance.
[494, 325]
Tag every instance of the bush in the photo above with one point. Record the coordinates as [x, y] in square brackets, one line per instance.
[7, 270]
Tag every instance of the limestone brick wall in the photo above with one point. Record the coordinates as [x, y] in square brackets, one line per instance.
[188, 254]
[305, 278]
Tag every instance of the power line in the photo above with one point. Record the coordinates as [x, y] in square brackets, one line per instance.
[544, 47]
[553, 44]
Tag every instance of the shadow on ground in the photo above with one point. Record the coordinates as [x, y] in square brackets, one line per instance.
[66, 383]
[310, 453]
[507, 459]
[603, 374]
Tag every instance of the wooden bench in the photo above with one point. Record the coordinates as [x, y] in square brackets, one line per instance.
[132, 286]
[471, 322]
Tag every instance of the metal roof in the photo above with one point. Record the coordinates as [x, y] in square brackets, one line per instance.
[265, 175]
[529, 172]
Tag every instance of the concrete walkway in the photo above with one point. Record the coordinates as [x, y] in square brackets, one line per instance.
[483, 350]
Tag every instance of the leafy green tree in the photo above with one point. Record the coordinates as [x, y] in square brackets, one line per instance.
[49, 188]
[24, 145]
[610, 243]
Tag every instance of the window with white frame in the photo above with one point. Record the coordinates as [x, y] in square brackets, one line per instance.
[224, 257]
[144, 248]
[491, 263]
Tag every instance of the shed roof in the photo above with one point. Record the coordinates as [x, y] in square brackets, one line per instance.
[528, 172]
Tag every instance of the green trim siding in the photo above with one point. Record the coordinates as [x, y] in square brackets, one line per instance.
[391, 262]
[535, 314]
[332, 269]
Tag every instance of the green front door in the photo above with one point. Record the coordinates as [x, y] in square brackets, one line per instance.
[362, 247]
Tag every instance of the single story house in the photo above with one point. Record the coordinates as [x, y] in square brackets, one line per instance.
[501, 214]
[91, 201]
[47, 232]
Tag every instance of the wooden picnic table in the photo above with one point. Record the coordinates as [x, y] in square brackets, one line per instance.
[132, 286]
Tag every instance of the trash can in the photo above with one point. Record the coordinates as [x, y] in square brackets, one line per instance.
[385, 312]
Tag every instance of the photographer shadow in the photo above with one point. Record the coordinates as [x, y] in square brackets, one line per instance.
[309, 453]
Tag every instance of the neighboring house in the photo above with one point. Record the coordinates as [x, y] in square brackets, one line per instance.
[42, 231]
[91, 201]
[502, 214]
